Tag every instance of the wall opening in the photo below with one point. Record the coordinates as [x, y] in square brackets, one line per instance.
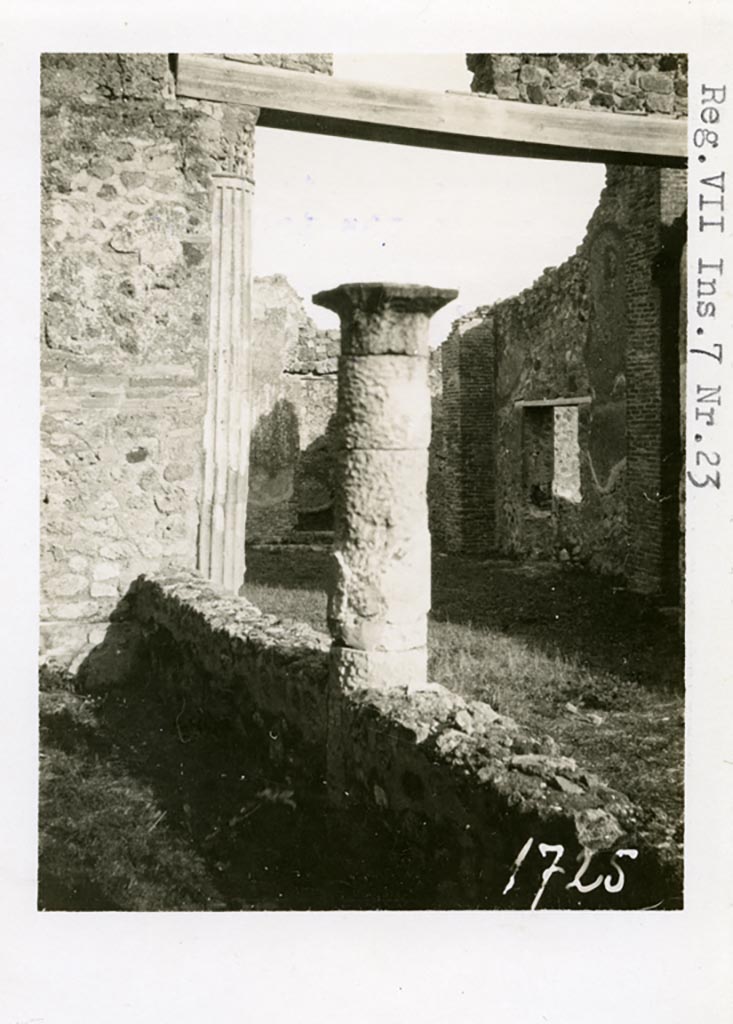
[550, 454]
[538, 460]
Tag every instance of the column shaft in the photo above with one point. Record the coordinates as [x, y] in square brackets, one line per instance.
[226, 431]
[380, 592]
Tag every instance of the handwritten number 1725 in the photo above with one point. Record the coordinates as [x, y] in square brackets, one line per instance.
[610, 884]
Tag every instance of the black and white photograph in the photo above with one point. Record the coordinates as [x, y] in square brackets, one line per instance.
[328, 551]
[382, 549]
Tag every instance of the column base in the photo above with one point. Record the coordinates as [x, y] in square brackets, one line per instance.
[352, 669]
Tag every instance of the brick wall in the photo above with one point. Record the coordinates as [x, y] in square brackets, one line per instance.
[655, 239]
[444, 463]
[463, 495]
[125, 308]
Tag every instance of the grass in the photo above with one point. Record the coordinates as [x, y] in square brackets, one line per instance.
[568, 654]
[104, 841]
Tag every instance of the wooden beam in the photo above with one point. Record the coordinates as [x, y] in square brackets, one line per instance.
[458, 121]
[542, 403]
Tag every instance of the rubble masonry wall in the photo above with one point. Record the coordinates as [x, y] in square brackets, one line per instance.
[126, 228]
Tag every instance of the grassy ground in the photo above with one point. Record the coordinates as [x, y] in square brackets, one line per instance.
[568, 654]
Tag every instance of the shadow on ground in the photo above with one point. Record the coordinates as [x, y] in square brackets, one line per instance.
[148, 804]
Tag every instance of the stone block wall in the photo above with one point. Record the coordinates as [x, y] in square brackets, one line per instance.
[439, 794]
[654, 83]
[126, 244]
[293, 404]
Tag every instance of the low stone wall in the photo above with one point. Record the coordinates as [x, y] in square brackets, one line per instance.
[439, 794]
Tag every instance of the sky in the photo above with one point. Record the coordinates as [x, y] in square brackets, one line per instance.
[330, 210]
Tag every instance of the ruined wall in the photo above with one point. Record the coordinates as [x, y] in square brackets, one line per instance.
[293, 404]
[561, 340]
[595, 483]
[582, 331]
[439, 794]
[126, 227]
[654, 83]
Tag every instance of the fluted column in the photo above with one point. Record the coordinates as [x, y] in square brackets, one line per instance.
[226, 431]
[380, 589]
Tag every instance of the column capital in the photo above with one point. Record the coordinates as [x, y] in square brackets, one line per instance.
[381, 318]
[227, 179]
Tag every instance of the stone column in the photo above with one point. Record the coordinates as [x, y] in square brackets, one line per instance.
[226, 431]
[380, 590]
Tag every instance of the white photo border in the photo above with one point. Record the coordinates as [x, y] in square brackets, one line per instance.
[557, 967]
